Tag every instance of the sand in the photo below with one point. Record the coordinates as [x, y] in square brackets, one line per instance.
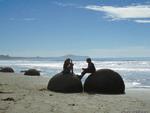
[24, 94]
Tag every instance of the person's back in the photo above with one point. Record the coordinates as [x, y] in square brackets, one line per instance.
[68, 66]
[90, 69]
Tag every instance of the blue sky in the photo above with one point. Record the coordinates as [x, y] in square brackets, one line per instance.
[97, 28]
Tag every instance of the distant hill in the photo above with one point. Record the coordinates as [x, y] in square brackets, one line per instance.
[5, 57]
[73, 57]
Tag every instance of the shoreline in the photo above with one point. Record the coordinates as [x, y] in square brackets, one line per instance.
[29, 94]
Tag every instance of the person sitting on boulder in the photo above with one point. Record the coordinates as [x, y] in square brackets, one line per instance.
[68, 66]
[90, 69]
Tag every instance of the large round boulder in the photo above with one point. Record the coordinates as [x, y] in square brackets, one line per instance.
[32, 72]
[7, 70]
[104, 81]
[65, 83]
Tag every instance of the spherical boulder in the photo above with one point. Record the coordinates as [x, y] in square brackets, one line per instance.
[65, 83]
[7, 70]
[32, 72]
[104, 81]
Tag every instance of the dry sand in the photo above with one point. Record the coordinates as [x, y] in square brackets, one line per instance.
[24, 94]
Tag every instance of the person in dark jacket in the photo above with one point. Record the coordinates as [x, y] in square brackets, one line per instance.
[89, 69]
[68, 66]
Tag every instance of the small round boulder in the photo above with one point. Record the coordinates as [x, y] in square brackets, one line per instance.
[65, 83]
[7, 70]
[32, 72]
[104, 81]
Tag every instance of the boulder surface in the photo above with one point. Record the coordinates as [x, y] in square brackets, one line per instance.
[104, 81]
[65, 83]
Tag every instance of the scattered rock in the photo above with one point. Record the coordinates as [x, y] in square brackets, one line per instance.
[32, 72]
[43, 89]
[3, 84]
[2, 92]
[7, 70]
[71, 104]
[50, 94]
[104, 81]
[9, 99]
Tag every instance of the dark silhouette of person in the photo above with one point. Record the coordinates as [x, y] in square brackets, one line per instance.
[90, 69]
[68, 66]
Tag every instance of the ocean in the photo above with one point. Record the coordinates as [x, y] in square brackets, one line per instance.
[135, 73]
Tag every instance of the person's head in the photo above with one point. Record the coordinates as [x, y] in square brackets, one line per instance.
[88, 60]
[68, 60]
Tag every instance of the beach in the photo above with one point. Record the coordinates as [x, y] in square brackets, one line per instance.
[28, 94]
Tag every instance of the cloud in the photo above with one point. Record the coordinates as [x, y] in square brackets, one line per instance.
[29, 19]
[136, 13]
[65, 4]
[142, 21]
[22, 19]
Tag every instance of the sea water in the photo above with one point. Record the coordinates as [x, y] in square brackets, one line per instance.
[136, 74]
